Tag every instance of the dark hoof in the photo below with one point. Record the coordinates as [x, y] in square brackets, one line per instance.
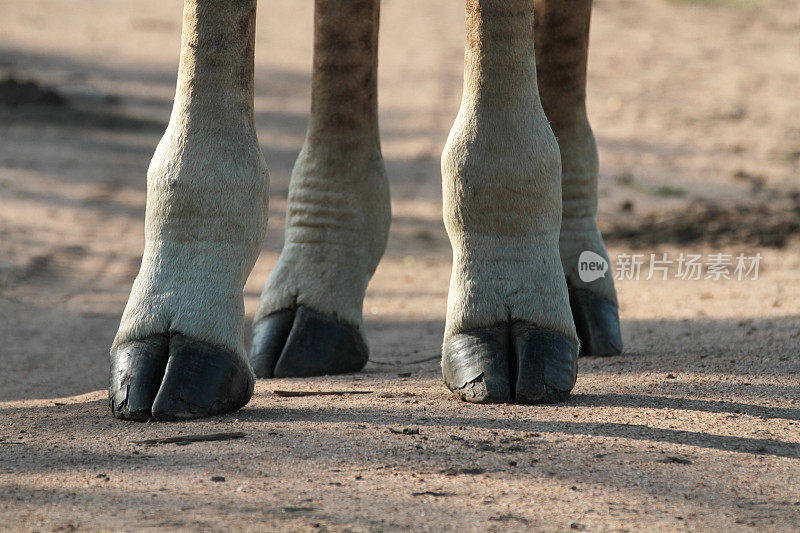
[303, 342]
[518, 363]
[137, 369]
[171, 377]
[597, 323]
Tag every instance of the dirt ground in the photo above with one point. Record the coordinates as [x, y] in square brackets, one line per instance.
[696, 427]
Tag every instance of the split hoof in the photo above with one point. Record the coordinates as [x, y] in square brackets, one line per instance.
[518, 362]
[303, 343]
[597, 323]
[172, 377]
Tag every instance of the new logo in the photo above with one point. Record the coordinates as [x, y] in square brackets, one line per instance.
[591, 266]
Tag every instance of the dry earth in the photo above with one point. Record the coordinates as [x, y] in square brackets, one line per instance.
[695, 427]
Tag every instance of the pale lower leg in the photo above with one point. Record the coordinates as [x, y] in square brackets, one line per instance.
[562, 41]
[509, 332]
[207, 193]
[338, 213]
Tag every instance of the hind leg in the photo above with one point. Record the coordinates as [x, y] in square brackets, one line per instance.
[179, 351]
[309, 318]
[562, 42]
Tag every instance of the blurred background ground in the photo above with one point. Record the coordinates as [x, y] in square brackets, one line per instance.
[697, 426]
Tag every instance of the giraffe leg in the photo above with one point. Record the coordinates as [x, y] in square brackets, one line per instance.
[509, 334]
[562, 41]
[309, 318]
[179, 352]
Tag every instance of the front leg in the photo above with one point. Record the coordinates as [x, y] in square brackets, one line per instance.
[309, 318]
[179, 352]
[562, 45]
[509, 333]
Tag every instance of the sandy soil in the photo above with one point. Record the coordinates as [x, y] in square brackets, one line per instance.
[695, 427]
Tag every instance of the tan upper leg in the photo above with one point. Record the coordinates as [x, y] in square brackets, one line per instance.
[562, 44]
[338, 212]
[207, 188]
[500, 169]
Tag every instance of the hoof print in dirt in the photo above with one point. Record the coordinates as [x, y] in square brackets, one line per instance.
[597, 323]
[172, 377]
[519, 363]
[303, 342]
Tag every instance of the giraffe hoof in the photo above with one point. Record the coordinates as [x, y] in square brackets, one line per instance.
[516, 363]
[172, 377]
[304, 343]
[137, 369]
[597, 323]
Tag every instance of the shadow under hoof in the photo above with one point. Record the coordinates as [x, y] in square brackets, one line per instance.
[510, 363]
[172, 377]
[596, 321]
[304, 343]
